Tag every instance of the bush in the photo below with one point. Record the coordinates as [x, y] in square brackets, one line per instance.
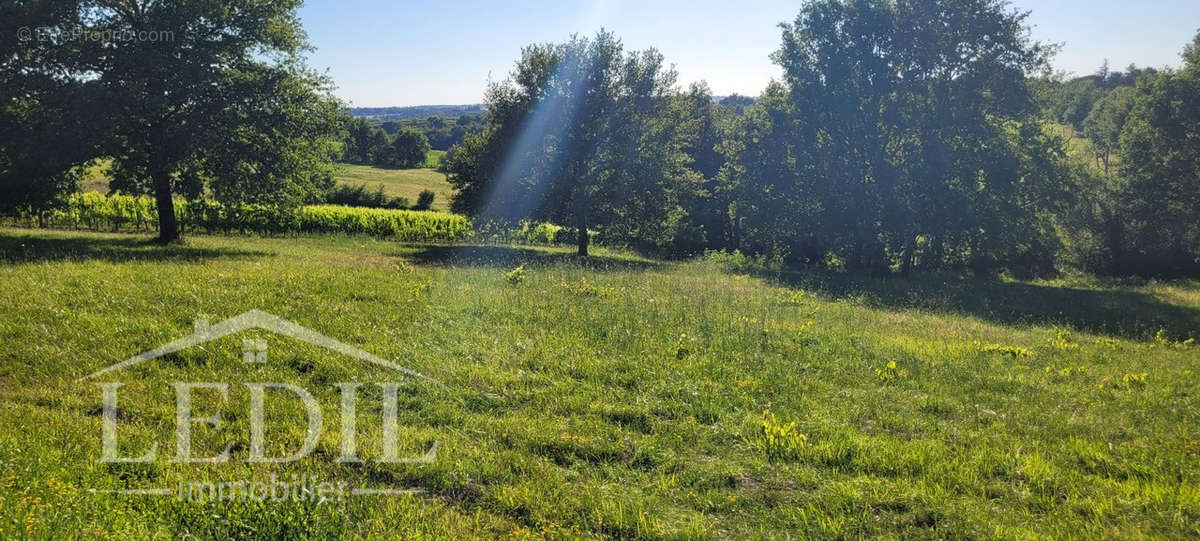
[397, 224]
[411, 149]
[424, 200]
[358, 196]
[526, 232]
[780, 442]
[537, 233]
[516, 275]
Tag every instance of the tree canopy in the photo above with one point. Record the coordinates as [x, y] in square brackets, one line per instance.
[580, 134]
[899, 127]
[195, 97]
[902, 134]
[47, 121]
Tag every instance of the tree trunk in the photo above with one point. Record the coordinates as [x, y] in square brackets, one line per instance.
[906, 260]
[168, 226]
[1114, 233]
[937, 254]
[581, 237]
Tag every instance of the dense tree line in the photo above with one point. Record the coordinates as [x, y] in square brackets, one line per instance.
[1070, 101]
[394, 144]
[910, 136]
[1138, 206]
[365, 143]
[903, 135]
[442, 132]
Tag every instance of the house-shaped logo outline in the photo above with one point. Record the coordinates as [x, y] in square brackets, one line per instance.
[254, 319]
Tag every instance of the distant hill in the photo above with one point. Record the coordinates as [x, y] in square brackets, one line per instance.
[415, 112]
[384, 114]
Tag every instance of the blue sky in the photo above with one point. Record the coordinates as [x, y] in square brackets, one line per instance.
[414, 52]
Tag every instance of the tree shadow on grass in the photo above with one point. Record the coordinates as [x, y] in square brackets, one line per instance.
[512, 256]
[17, 248]
[1108, 311]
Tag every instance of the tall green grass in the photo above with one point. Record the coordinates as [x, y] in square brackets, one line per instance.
[607, 397]
[406, 183]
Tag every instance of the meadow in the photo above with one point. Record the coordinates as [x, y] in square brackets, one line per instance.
[407, 183]
[612, 396]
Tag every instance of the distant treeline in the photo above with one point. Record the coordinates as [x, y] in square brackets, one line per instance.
[398, 143]
[442, 132]
[393, 114]
[1071, 101]
[1134, 207]
[365, 143]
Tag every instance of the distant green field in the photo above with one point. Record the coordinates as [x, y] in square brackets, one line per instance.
[398, 182]
[1078, 146]
[434, 158]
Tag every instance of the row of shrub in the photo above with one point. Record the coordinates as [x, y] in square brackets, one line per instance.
[99, 212]
[397, 224]
[360, 196]
[526, 232]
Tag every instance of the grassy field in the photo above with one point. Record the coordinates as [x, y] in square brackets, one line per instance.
[398, 182]
[434, 158]
[1079, 147]
[609, 397]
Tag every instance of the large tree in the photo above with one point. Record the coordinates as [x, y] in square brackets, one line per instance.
[47, 126]
[908, 124]
[1158, 186]
[209, 97]
[356, 140]
[412, 149]
[1104, 123]
[774, 209]
[704, 221]
[581, 134]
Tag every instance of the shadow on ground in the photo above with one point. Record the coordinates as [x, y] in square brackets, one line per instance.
[1108, 311]
[17, 248]
[511, 256]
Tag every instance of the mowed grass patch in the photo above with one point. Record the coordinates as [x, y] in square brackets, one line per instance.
[609, 397]
[434, 158]
[407, 183]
